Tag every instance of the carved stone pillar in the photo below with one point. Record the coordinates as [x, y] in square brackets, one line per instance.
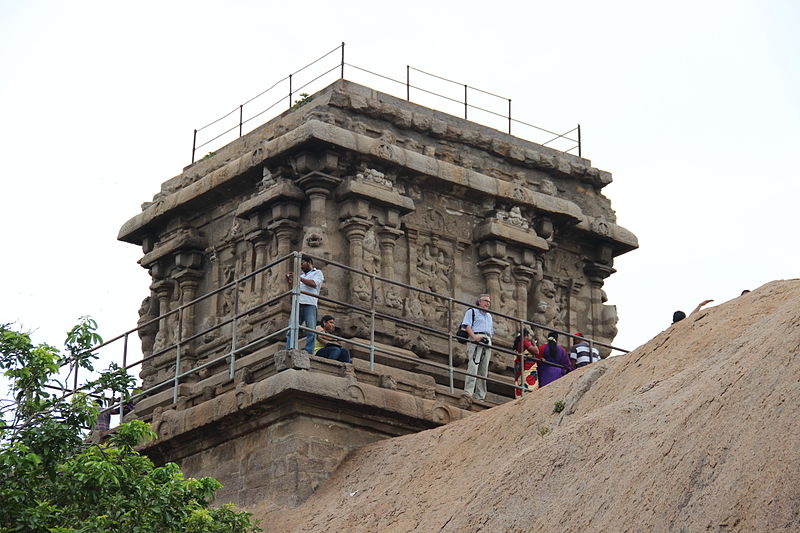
[260, 240]
[188, 280]
[412, 236]
[163, 290]
[355, 229]
[286, 233]
[387, 238]
[491, 268]
[317, 187]
[523, 276]
[596, 273]
[278, 210]
[499, 238]
[147, 331]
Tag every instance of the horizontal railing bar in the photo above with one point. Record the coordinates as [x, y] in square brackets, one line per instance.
[458, 83]
[268, 90]
[210, 329]
[563, 135]
[375, 73]
[262, 93]
[315, 79]
[235, 127]
[345, 304]
[192, 302]
[536, 127]
[276, 102]
[226, 115]
[440, 296]
[320, 59]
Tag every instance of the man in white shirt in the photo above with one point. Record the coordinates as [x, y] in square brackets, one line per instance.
[480, 329]
[310, 281]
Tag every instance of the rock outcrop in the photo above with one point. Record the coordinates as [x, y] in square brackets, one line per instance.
[697, 430]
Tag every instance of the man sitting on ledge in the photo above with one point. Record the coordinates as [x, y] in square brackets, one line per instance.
[329, 347]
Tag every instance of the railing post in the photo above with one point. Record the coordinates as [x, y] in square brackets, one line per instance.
[579, 141]
[290, 91]
[75, 378]
[408, 83]
[293, 314]
[372, 324]
[509, 116]
[241, 106]
[125, 353]
[522, 381]
[124, 369]
[178, 357]
[234, 327]
[450, 345]
[194, 143]
[465, 101]
[342, 73]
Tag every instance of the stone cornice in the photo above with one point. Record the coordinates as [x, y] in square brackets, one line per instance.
[474, 182]
[353, 188]
[355, 98]
[283, 190]
[622, 239]
[184, 241]
[497, 229]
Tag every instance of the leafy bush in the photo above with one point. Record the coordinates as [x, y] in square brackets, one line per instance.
[52, 480]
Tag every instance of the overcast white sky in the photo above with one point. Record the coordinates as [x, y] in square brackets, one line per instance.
[692, 105]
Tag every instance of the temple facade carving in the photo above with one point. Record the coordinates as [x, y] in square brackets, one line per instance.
[409, 212]
[391, 190]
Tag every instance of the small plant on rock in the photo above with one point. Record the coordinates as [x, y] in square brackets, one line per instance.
[303, 100]
[558, 406]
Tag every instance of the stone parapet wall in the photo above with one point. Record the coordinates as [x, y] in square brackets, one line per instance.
[277, 438]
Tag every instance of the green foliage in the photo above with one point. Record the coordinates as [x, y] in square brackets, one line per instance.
[543, 430]
[558, 406]
[52, 480]
[303, 100]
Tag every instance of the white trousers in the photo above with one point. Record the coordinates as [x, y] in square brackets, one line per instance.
[478, 356]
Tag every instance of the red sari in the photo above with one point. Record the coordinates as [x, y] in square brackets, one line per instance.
[526, 373]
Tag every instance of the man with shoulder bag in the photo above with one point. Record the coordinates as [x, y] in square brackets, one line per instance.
[479, 328]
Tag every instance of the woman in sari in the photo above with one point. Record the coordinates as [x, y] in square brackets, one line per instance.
[525, 368]
[553, 353]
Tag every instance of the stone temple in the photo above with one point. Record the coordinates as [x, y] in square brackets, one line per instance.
[392, 190]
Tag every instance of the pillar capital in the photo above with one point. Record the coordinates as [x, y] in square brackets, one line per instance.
[597, 273]
[524, 273]
[318, 183]
[355, 227]
[492, 265]
[387, 235]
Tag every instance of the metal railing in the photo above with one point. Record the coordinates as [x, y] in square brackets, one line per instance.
[294, 329]
[290, 82]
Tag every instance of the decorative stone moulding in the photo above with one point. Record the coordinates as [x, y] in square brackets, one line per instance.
[495, 229]
[282, 192]
[188, 241]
